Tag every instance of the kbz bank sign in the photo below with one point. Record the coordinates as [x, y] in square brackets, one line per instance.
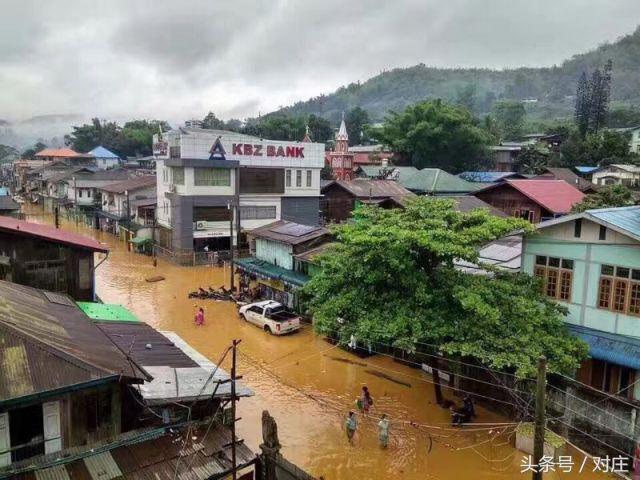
[218, 151]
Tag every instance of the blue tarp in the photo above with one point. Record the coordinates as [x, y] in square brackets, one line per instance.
[586, 170]
[610, 347]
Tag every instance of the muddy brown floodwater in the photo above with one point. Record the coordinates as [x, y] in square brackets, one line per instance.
[308, 385]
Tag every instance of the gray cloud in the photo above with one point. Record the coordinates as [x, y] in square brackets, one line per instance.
[178, 59]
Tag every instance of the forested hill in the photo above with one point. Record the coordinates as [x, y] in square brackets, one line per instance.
[548, 92]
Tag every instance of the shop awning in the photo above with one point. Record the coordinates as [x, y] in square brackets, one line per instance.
[140, 240]
[268, 270]
[610, 347]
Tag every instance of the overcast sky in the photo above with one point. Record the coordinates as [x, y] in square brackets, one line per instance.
[178, 59]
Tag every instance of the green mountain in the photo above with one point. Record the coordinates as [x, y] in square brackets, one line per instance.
[547, 92]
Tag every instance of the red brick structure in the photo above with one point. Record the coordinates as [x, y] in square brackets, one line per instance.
[340, 160]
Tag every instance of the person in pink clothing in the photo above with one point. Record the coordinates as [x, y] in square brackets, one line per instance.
[200, 317]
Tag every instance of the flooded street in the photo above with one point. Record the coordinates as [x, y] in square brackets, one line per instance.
[308, 385]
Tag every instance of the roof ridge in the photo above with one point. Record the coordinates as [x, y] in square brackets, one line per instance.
[63, 355]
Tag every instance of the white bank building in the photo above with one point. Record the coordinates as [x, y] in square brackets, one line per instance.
[209, 180]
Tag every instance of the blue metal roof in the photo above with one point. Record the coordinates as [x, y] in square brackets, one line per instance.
[624, 218]
[586, 169]
[486, 177]
[101, 152]
[610, 347]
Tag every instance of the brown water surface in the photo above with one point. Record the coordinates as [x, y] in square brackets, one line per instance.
[301, 380]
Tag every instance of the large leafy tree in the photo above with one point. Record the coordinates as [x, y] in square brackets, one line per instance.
[533, 160]
[276, 127]
[510, 117]
[134, 138]
[210, 121]
[603, 148]
[606, 197]
[582, 107]
[391, 279]
[31, 151]
[356, 121]
[436, 134]
[319, 128]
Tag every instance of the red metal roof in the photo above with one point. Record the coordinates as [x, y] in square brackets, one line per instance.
[52, 234]
[557, 196]
[60, 152]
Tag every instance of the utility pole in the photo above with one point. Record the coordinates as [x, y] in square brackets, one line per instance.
[75, 194]
[538, 439]
[233, 407]
[231, 208]
[56, 217]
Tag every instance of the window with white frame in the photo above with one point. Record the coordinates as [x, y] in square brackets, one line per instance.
[298, 178]
[309, 177]
[287, 180]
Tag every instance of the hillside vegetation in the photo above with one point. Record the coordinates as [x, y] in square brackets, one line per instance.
[549, 91]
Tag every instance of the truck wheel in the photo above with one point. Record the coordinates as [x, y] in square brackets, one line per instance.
[268, 329]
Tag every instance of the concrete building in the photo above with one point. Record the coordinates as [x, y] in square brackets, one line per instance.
[208, 179]
[617, 174]
[590, 263]
[104, 158]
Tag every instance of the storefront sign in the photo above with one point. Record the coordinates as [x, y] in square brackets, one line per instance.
[160, 148]
[259, 150]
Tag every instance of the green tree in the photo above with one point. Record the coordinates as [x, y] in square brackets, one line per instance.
[436, 134]
[510, 117]
[211, 122]
[276, 127]
[533, 160]
[7, 153]
[597, 149]
[356, 121]
[606, 197]
[466, 97]
[582, 105]
[622, 117]
[391, 279]
[319, 129]
[599, 97]
[134, 138]
[31, 151]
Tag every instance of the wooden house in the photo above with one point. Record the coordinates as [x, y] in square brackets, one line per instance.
[341, 197]
[42, 256]
[272, 268]
[533, 200]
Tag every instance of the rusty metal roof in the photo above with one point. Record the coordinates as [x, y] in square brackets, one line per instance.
[51, 234]
[163, 457]
[365, 188]
[131, 184]
[47, 345]
[145, 345]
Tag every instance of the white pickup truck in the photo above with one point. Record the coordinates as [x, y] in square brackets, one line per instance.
[271, 316]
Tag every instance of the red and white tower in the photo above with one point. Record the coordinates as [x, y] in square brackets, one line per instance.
[340, 160]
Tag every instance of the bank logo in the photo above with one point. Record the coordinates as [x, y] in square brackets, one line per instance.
[217, 151]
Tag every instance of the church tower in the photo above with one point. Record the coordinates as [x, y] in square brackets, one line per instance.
[342, 138]
[340, 160]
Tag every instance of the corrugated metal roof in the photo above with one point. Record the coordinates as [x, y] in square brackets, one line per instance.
[289, 232]
[624, 218]
[468, 203]
[487, 177]
[611, 347]
[568, 176]
[156, 459]
[102, 466]
[101, 152]
[145, 345]
[45, 232]
[556, 196]
[106, 312]
[46, 345]
[365, 188]
[131, 184]
[436, 181]
[53, 473]
[64, 152]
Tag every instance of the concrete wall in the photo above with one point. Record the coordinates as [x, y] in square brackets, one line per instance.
[305, 210]
[588, 255]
